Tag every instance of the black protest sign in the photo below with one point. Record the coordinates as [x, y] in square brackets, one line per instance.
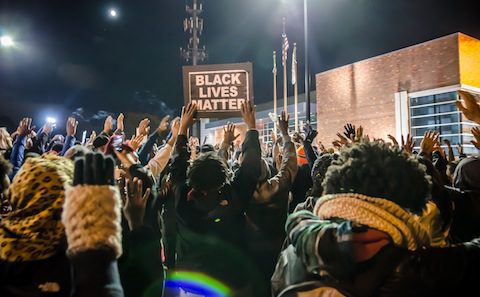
[218, 90]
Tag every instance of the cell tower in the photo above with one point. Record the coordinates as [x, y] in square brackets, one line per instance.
[194, 25]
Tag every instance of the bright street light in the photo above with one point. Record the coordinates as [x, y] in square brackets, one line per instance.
[51, 120]
[113, 13]
[6, 41]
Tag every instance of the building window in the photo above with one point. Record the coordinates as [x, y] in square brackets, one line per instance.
[266, 126]
[438, 112]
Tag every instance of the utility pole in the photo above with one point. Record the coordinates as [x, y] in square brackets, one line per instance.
[194, 53]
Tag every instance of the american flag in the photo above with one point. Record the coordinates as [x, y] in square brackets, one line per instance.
[285, 47]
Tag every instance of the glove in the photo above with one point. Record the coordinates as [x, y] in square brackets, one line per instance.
[91, 214]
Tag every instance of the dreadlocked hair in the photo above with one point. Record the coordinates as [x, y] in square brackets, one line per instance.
[208, 171]
[378, 170]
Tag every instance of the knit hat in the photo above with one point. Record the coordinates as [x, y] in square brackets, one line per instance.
[33, 230]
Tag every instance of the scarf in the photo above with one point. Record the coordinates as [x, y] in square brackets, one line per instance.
[377, 213]
[33, 229]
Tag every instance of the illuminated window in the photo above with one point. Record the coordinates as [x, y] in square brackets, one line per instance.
[438, 112]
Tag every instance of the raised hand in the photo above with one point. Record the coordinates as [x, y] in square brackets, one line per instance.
[451, 157]
[135, 203]
[409, 144]
[349, 131]
[310, 133]
[297, 138]
[120, 124]
[342, 139]
[393, 139]
[476, 135]
[136, 141]
[283, 120]
[430, 138]
[187, 119]
[359, 134]
[92, 137]
[247, 109]
[163, 126]
[143, 127]
[229, 134]
[469, 107]
[175, 126]
[193, 142]
[108, 125]
[71, 126]
[25, 127]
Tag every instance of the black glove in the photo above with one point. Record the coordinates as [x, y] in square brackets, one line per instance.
[94, 169]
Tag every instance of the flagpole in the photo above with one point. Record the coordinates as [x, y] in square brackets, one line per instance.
[295, 83]
[275, 90]
[284, 60]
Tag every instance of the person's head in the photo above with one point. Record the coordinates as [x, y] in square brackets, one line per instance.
[5, 139]
[377, 170]
[100, 142]
[265, 172]
[33, 230]
[208, 171]
[58, 138]
[451, 170]
[205, 148]
[467, 174]
[318, 172]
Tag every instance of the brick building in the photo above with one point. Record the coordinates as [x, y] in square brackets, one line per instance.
[410, 90]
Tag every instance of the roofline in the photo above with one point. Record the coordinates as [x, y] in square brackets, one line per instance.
[395, 51]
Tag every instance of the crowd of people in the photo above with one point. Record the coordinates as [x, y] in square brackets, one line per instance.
[158, 214]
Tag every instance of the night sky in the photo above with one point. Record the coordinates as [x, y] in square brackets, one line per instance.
[70, 52]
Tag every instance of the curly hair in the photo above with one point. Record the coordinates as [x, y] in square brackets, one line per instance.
[208, 171]
[378, 170]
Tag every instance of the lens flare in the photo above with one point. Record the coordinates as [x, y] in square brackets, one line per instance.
[197, 283]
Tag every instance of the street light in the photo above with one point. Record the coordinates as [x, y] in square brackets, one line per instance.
[6, 41]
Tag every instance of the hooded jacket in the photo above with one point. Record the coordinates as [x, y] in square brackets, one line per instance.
[356, 260]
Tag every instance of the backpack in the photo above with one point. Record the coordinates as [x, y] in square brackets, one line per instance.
[291, 279]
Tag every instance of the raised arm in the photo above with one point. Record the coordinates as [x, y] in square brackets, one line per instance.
[228, 139]
[160, 160]
[70, 139]
[288, 168]
[247, 175]
[18, 149]
[146, 149]
[180, 157]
